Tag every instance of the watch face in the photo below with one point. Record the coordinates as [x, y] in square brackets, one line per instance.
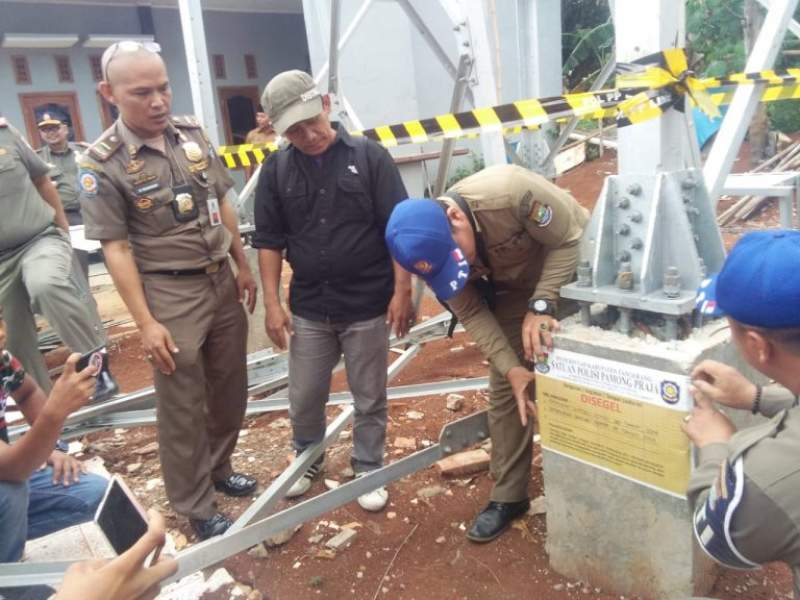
[540, 305]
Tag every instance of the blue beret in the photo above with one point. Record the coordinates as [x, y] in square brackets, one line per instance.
[759, 284]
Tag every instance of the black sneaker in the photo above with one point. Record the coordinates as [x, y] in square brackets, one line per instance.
[237, 484]
[206, 528]
[495, 519]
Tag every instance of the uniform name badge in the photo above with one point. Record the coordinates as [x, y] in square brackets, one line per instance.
[214, 215]
[184, 208]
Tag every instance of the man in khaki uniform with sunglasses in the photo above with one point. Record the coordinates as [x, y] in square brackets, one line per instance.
[155, 194]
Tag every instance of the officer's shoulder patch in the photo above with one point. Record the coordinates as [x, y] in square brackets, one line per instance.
[533, 210]
[713, 518]
[87, 180]
[186, 122]
[105, 147]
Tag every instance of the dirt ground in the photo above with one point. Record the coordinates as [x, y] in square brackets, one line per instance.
[416, 548]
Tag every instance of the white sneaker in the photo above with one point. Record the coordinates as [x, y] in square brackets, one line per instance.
[302, 485]
[375, 500]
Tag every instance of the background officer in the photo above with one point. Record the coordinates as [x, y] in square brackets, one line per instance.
[63, 156]
[498, 253]
[262, 133]
[745, 490]
[37, 270]
[154, 193]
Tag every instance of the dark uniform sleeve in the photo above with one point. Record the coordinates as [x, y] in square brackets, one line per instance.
[775, 398]
[484, 329]
[34, 164]
[387, 186]
[270, 231]
[756, 519]
[761, 530]
[103, 207]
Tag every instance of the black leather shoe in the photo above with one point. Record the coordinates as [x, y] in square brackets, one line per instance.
[495, 519]
[237, 484]
[206, 528]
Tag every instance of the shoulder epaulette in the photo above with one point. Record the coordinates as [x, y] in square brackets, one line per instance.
[186, 122]
[81, 145]
[106, 145]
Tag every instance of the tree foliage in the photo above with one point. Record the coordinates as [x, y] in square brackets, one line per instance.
[715, 46]
[588, 41]
[715, 39]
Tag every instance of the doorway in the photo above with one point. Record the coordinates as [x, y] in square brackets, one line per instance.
[61, 105]
[238, 107]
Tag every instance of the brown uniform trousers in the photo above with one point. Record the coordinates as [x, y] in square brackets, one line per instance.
[199, 407]
[512, 449]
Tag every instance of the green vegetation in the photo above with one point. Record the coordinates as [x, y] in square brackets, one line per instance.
[465, 171]
[715, 46]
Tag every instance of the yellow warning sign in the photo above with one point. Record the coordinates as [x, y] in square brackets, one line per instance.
[621, 418]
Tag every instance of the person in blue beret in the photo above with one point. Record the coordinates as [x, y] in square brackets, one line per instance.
[745, 489]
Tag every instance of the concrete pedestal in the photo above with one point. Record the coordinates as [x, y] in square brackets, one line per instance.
[613, 532]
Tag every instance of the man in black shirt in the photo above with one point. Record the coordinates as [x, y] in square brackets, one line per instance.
[326, 200]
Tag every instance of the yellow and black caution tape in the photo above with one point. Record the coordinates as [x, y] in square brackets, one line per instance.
[645, 90]
[246, 155]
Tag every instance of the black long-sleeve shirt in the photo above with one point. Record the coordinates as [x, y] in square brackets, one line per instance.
[331, 219]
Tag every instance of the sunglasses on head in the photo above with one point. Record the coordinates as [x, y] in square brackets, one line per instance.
[126, 46]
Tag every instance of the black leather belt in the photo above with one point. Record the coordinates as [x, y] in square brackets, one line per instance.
[212, 268]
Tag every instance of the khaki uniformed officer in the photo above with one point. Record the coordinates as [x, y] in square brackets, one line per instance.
[37, 270]
[62, 156]
[745, 490]
[498, 254]
[154, 193]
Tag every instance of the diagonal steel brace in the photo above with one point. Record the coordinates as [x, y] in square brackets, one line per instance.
[456, 435]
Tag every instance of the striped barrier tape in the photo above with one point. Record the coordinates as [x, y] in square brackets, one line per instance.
[645, 90]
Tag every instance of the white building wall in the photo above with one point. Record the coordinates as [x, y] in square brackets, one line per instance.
[277, 40]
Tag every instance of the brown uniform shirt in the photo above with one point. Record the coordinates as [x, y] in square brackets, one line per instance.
[132, 190]
[256, 136]
[766, 525]
[531, 229]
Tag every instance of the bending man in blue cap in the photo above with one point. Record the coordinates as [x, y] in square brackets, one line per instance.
[745, 490]
[497, 248]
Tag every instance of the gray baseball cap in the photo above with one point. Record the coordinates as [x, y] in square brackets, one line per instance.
[291, 97]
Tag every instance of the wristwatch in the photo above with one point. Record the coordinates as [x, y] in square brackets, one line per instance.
[540, 306]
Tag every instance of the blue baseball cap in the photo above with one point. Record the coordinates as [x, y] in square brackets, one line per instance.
[419, 239]
[759, 284]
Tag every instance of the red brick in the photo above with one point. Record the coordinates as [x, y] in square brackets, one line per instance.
[464, 463]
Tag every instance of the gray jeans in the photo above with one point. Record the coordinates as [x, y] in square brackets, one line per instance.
[314, 350]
